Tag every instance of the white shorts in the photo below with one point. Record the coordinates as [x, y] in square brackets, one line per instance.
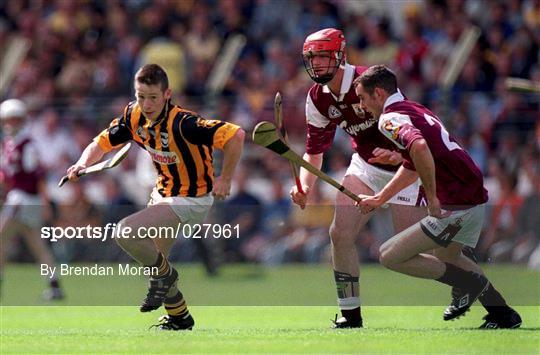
[23, 208]
[376, 179]
[463, 227]
[190, 210]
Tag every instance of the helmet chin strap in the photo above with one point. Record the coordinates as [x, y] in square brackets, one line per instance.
[324, 79]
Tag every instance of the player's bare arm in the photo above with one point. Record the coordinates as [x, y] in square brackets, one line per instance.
[403, 178]
[425, 166]
[91, 155]
[307, 180]
[232, 153]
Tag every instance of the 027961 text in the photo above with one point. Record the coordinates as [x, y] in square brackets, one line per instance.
[210, 230]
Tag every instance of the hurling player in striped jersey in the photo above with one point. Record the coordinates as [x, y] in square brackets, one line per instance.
[180, 143]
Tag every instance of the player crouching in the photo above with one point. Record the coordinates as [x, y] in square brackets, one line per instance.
[454, 191]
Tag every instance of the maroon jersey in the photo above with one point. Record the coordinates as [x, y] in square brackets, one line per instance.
[19, 164]
[324, 112]
[458, 179]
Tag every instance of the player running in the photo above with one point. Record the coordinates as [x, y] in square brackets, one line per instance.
[332, 102]
[21, 177]
[180, 143]
[454, 191]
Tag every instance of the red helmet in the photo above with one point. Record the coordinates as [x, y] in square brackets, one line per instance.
[328, 43]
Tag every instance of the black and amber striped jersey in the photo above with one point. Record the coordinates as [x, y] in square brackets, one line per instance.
[180, 143]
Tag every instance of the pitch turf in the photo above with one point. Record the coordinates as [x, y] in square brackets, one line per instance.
[226, 324]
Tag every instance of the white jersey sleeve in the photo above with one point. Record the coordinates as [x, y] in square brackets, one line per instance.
[391, 123]
[313, 116]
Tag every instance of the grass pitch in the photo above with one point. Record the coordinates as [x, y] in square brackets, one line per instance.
[273, 320]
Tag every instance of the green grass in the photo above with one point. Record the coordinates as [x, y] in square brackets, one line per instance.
[250, 309]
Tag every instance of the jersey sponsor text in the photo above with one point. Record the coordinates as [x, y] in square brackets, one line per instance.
[162, 157]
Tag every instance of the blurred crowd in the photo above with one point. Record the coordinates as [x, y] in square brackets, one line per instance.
[77, 76]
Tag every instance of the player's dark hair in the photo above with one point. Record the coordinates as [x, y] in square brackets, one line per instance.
[152, 74]
[377, 76]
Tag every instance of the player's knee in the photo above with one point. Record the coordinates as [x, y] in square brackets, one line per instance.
[341, 237]
[385, 260]
[122, 237]
[385, 255]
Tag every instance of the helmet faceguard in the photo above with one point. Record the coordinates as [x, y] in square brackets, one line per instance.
[323, 53]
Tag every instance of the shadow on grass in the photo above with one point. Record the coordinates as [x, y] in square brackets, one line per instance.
[255, 273]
